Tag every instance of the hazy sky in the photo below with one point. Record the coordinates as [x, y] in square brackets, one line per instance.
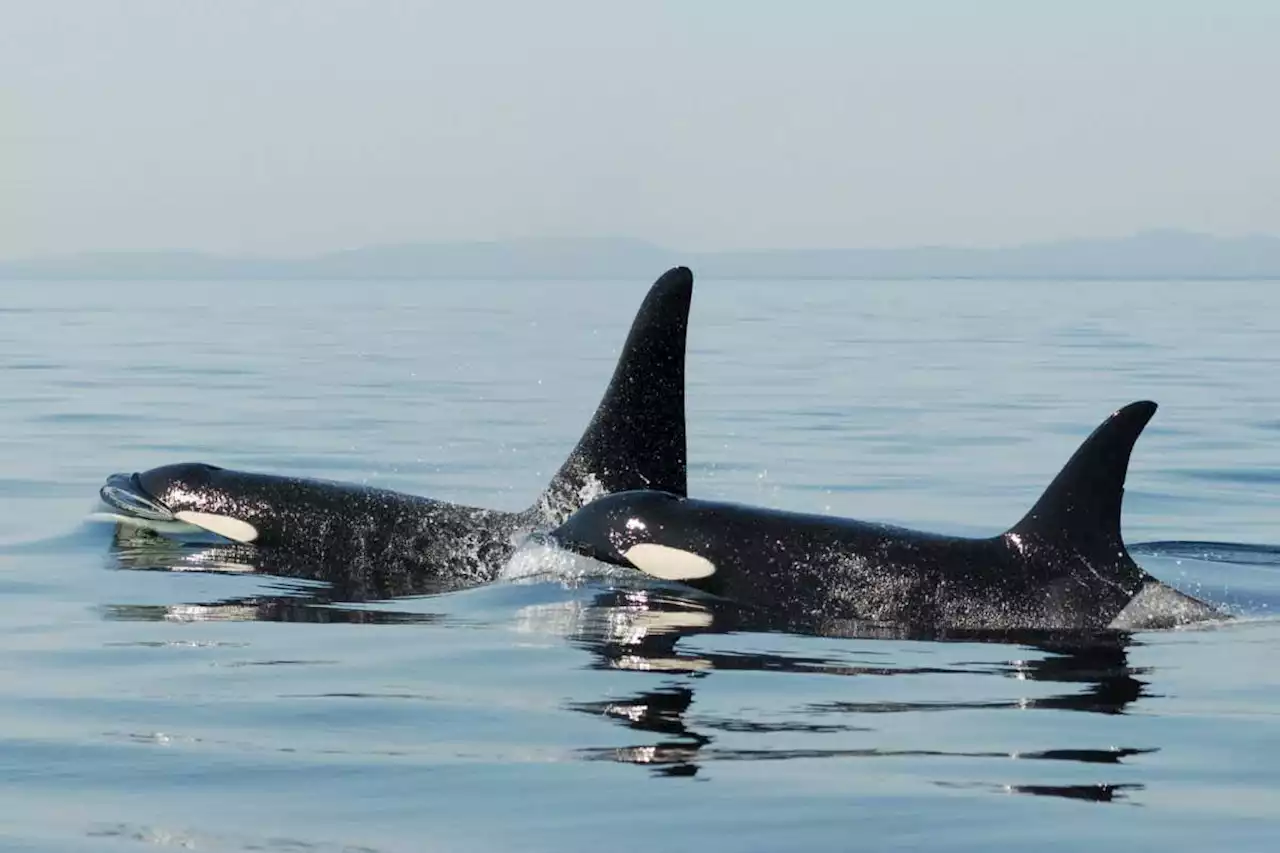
[297, 125]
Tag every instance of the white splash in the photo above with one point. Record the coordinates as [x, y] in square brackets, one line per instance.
[539, 560]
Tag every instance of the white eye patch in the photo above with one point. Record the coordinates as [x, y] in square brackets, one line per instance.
[223, 525]
[669, 564]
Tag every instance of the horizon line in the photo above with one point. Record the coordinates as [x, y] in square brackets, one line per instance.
[231, 254]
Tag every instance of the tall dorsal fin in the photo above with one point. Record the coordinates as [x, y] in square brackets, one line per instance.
[1081, 507]
[636, 439]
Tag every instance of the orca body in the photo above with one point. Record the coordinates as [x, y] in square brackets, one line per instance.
[375, 542]
[1063, 566]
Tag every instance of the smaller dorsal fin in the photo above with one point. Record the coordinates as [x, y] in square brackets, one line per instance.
[1081, 507]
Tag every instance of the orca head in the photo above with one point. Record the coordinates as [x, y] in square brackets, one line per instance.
[186, 493]
[639, 530]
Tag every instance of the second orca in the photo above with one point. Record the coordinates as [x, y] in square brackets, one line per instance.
[1063, 566]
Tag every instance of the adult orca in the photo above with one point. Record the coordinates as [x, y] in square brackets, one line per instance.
[375, 542]
[1064, 566]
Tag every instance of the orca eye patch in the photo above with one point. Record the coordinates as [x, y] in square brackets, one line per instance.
[669, 564]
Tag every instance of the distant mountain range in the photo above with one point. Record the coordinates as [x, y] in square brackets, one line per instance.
[1163, 254]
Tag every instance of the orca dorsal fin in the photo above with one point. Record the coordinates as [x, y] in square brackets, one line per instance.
[636, 439]
[1081, 507]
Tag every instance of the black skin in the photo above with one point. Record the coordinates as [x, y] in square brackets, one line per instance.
[376, 543]
[809, 570]
[1064, 566]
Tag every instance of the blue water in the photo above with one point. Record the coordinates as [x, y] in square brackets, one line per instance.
[576, 712]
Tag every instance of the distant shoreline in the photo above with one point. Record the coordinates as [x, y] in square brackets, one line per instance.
[615, 279]
[1147, 256]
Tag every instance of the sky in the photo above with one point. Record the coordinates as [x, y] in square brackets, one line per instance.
[295, 126]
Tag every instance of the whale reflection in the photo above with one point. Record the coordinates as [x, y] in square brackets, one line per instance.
[649, 626]
[681, 640]
[138, 549]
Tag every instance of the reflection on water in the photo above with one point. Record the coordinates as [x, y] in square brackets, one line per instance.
[1097, 667]
[664, 632]
[290, 601]
[1092, 793]
[284, 608]
[142, 550]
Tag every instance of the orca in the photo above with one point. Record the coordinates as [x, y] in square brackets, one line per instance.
[1064, 566]
[376, 542]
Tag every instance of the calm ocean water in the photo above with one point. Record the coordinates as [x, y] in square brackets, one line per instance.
[221, 712]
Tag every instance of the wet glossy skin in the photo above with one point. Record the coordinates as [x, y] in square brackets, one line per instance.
[810, 570]
[1064, 566]
[340, 532]
[374, 540]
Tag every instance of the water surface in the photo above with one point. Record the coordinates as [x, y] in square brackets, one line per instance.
[579, 712]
